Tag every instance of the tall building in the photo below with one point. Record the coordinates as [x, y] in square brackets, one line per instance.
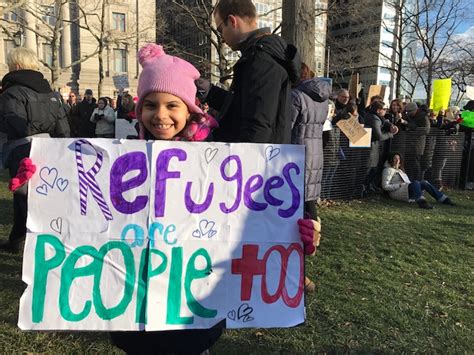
[116, 28]
[363, 37]
[197, 46]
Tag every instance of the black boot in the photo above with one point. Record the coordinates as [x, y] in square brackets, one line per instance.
[448, 202]
[424, 204]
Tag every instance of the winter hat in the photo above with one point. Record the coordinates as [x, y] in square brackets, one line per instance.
[411, 106]
[165, 73]
[469, 106]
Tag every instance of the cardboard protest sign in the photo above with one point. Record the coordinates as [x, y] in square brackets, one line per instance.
[364, 142]
[135, 235]
[441, 94]
[375, 90]
[354, 86]
[121, 81]
[351, 128]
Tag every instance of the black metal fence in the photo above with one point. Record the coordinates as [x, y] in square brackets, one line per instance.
[345, 168]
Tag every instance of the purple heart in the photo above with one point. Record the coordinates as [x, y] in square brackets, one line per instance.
[271, 152]
[43, 190]
[49, 176]
[206, 226]
[62, 184]
[197, 233]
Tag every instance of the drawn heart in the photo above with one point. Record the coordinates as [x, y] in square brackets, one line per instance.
[210, 154]
[206, 226]
[62, 184]
[49, 176]
[248, 319]
[197, 233]
[43, 190]
[231, 315]
[271, 152]
[57, 225]
[212, 233]
[244, 311]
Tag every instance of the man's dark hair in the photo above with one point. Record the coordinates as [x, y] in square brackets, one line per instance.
[376, 105]
[376, 98]
[241, 8]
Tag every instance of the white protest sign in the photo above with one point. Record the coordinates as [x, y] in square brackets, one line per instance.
[121, 81]
[135, 235]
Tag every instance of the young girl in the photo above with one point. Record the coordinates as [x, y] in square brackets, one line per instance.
[104, 118]
[167, 110]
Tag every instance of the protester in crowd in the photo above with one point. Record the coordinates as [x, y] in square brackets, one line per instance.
[418, 127]
[111, 102]
[125, 106]
[399, 186]
[73, 113]
[258, 107]
[395, 114]
[104, 118]
[331, 144]
[28, 108]
[374, 119]
[310, 110]
[86, 128]
[166, 110]
[342, 100]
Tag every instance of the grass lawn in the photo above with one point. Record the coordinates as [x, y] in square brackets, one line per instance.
[390, 278]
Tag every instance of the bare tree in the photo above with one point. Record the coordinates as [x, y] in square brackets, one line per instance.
[298, 27]
[435, 24]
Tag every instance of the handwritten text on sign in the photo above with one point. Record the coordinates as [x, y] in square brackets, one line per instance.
[129, 235]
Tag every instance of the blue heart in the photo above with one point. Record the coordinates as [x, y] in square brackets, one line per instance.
[43, 190]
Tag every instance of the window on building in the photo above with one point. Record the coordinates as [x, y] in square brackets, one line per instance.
[118, 20]
[49, 15]
[385, 71]
[47, 54]
[120, 60]
[8, 45]
[10, 16]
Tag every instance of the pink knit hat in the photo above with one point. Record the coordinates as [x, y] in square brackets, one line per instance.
[165, 73]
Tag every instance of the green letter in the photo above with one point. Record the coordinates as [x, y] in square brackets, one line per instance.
[68, 273]
[174, 290]
[129, 261]
[192, 274]
[41, 270]
[145, 275]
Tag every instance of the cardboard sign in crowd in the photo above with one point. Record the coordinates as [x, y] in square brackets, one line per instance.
[135, 235]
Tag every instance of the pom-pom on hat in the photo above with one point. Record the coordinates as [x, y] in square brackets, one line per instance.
[165, 73]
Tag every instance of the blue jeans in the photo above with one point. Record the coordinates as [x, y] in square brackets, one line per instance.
[416, 188]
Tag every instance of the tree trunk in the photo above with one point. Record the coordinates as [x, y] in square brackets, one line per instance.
[298, 28]
[101, 49]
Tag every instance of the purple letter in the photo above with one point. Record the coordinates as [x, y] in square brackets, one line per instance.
[274, 182]
[238, 177]
[162, 174]
[124, 164]
[195, 207]
[295, 202]
[251, 187]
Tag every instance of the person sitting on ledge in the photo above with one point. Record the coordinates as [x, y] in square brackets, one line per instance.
[399, 186]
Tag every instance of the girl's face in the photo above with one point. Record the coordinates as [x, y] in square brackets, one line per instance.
[101, 104]
[395, 107]
[164, 115]
[396, 161]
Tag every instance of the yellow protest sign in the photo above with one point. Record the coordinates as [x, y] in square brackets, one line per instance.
[441, 94]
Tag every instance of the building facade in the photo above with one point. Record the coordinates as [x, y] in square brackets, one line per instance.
[366, 37]
[79, 40]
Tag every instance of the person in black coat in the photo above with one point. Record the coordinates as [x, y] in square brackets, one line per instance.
[418, 128]
[374, 119]
[257, 109]
[86, 128]
[28, 108]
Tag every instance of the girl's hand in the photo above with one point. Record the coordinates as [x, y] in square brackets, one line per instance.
[25, 171]
[310, 234]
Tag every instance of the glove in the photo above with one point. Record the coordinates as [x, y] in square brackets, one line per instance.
[310, 234]
[25, 172]
[203, 87]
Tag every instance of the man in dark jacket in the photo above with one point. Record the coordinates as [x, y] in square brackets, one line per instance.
[418, 129]
[257, 108]
[28, 108]
[86, 128]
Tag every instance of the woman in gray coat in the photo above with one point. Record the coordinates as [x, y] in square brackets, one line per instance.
[310, 110]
